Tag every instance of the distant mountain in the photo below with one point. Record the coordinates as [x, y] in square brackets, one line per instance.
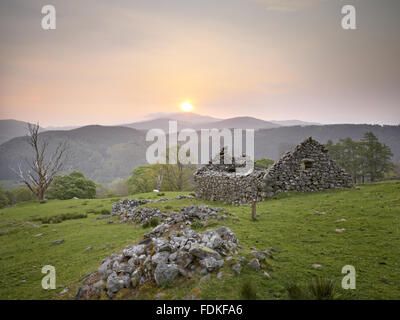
[162, 123]
[12, 128]
[241, 123]
[232, 123]
[289, 123]
[187, 117]
[53, 128]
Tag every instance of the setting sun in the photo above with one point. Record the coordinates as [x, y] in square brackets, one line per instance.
[187, 106]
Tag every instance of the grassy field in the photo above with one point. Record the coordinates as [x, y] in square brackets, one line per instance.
[287, 223]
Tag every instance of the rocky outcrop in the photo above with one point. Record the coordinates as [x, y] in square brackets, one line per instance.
[175, 253]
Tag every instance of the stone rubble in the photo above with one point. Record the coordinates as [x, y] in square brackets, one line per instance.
[162, 259]
[307, 168]
[142, 215]
[128, 205]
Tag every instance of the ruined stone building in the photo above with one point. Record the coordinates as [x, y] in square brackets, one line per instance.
[307, 168]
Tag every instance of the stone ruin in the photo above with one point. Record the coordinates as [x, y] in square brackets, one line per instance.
[307, 168]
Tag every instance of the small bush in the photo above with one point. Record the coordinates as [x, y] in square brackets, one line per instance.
[168, 207]
[105, 212]
[318, 289]
[295, 292]
[322, 289]
[160, 194]
[197, 225]
[58, 218]
[146, 224]
[153, 222]
[248, 291]
[167, 284]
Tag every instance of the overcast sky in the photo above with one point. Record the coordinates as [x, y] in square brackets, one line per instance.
[111, 62]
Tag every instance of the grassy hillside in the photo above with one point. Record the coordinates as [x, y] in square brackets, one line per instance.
[370, 242]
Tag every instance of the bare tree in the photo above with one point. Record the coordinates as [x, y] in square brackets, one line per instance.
[44, 166]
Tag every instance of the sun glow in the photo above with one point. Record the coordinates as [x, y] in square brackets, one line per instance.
[187, 106]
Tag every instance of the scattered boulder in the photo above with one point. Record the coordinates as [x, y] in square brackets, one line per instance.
[254, 264]
[57, 242]
[237, 268]
[82, 291]
[259, 255]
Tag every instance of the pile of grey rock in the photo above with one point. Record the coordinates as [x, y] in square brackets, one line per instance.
[162, 259]
[128, 205]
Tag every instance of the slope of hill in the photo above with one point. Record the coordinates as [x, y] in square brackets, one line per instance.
[299, 240]
[241, 123]
[289, 123]
[101, 153]
[162, 123]
[190, 117]
[12, 128]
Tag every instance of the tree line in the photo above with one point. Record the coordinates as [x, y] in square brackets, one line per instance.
[366, 160]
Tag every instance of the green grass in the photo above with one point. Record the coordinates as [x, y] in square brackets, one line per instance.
[370, 242]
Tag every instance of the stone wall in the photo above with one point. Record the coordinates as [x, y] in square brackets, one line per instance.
[229, 187]
[307, 168]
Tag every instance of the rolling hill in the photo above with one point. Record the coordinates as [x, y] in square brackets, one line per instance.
[106, 153]
[101, 153]
[12, 128]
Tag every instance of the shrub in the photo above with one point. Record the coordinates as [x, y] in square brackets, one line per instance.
[153, 222]
[322, 289]
[295, 292]
[160, 194]
[73, 185]
[318, 289]
[248, 291]
[58, 218]
[23, 194]
[168, 207]
[4, 201]
[167, 284]
[197, 225]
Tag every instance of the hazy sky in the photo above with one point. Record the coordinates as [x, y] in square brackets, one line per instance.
[111, 62]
